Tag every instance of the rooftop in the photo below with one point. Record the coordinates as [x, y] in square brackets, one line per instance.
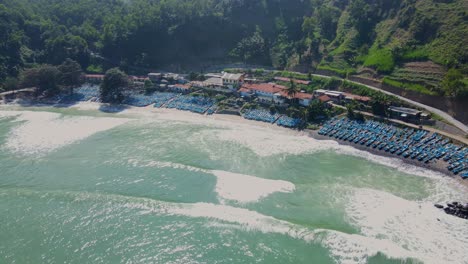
[404, 110]
[244, 90]
[232, 76]
[324, 98]
[214, 81]
[303, 96]
[182, 86]
[94, 75]
[357, 97]
[264, 87]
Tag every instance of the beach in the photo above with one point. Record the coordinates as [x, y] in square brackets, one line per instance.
[228, 121]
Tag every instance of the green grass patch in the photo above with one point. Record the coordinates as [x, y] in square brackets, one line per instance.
[380, 59]
[415, 54]
[465, 81]
[94, 68]
[293, 75]
[408, 86]
[340, 71]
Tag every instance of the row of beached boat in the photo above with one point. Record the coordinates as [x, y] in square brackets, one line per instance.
[409, 143]
[264, 115]
[196, 104]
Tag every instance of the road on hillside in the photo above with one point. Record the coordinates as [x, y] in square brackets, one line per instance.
[439, 112]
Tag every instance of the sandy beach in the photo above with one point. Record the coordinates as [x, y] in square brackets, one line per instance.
[230, 121]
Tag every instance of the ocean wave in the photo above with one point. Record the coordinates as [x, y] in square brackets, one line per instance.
[343, 247]
[43, 132]
[416, 226]
[410, 233]
[246, 188]
[230, 186]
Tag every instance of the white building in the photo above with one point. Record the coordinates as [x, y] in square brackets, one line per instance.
[232, 80]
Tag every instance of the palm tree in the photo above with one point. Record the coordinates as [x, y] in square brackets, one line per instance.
[292, 90]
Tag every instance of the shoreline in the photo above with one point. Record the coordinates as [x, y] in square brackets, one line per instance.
[223, 119]
[438, 166]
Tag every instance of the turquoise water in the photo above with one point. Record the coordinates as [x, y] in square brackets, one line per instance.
[82, 186]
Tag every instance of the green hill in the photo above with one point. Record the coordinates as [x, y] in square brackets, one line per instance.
[401, 40]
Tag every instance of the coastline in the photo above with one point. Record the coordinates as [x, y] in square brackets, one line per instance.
[225, 119]
[438, 166]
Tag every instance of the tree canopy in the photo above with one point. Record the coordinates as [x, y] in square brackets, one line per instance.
[111, 89]
[139, 35]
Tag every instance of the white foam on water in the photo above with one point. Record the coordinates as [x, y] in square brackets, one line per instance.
[344, 248]
[230, 186]
[246, 188]
[412, 232]
[243, 218]
[400, 228]
[432, 247]
[357, 249]
[163, 164]
[42, 132]
[262, 138]
[266, 141]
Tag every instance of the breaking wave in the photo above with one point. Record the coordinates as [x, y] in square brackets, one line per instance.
[230, 186]
[43, 132]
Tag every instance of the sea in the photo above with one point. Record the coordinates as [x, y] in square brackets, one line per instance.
[87, 184]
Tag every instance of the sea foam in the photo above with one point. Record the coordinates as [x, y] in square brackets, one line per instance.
[43, 132]
[230, 186]
[344, 248]
[246, 188]
[395, 224]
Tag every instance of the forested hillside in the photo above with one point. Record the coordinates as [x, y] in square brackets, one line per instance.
[414, 44]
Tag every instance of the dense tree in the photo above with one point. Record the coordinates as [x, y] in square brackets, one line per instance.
[453, 84]
[71, 74]
[11, 40]
[45, 78]
[140, 35]
[149, 87]
[252, 49]
[316, 110]
[112, 87]
[353, 113]
[10, 83]
[379, 105]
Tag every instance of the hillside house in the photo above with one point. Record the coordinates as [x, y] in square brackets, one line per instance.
[232, 80]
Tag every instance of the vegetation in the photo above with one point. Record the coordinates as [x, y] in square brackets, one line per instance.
[364, 91]
[381, 59]
[50, 80]
[409, 86]
[352, 112]
[138, 35]
[292, 90]
[111, 90]
[454, 85]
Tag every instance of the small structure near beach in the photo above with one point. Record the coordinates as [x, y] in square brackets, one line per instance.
[405, 114]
